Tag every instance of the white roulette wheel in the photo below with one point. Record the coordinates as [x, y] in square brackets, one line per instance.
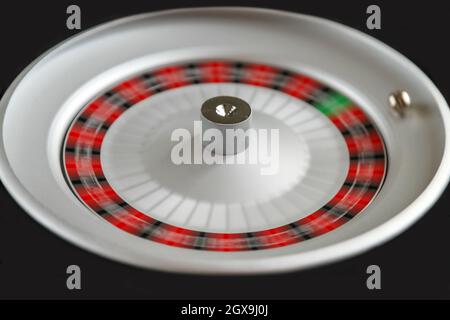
[357, 141]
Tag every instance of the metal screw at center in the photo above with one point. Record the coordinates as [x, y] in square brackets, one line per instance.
[226, 110]
[226, 113]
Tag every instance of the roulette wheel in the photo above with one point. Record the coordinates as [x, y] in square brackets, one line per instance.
[107, 141]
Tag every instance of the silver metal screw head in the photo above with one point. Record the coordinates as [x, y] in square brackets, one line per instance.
[226, 110]
[226, 113]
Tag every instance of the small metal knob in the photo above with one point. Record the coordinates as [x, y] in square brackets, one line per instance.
[399, 101]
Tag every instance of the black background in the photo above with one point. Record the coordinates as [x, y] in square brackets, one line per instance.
[33, 260]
